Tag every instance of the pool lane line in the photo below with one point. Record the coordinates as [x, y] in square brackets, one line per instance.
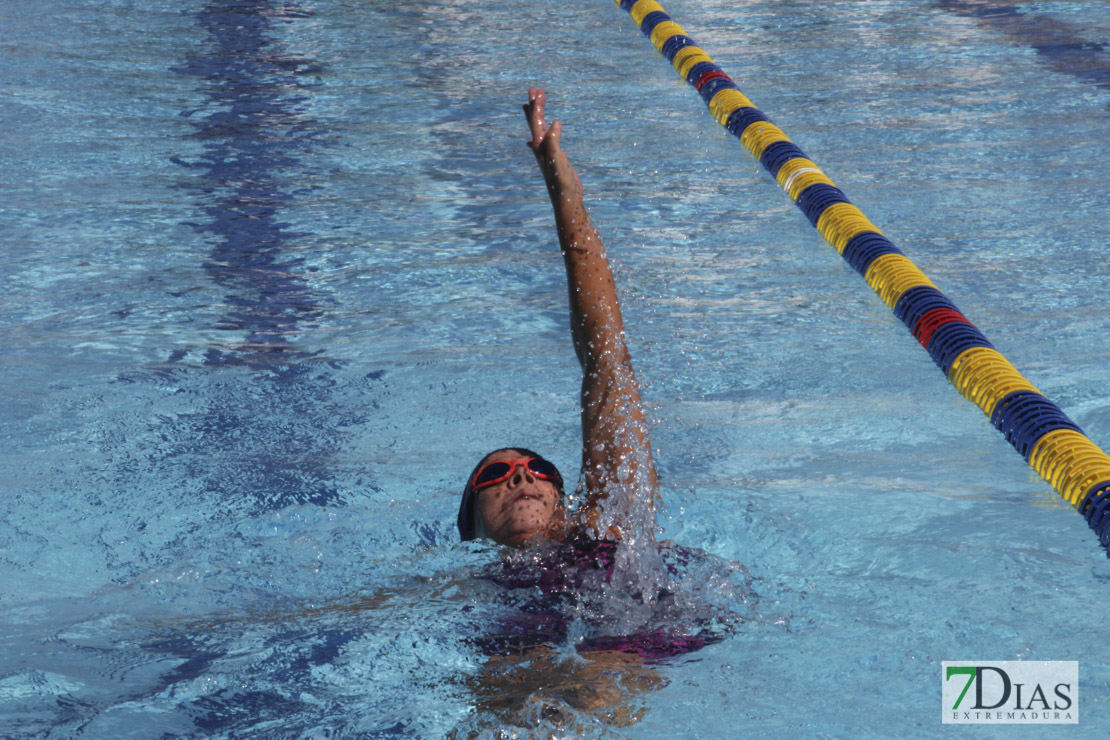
[1050, 442]
[254, 131]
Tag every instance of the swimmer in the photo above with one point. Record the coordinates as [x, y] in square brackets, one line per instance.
[560, 578]
[514, 496]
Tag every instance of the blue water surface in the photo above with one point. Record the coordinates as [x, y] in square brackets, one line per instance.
[277, 272]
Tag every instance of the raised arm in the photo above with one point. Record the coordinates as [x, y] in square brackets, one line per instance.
[615, 442]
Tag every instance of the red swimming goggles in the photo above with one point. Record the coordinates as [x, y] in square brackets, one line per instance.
[495, 472]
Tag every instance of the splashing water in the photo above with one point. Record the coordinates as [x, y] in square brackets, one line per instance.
[628, 593]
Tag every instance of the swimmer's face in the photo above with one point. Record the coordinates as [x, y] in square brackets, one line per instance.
[520, 508]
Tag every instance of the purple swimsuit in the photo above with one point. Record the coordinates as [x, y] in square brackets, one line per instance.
[547, 587]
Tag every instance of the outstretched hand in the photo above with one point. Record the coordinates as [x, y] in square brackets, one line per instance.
[615, 444]
[556, 168]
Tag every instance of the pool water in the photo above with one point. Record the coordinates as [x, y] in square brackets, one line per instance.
[277, 273]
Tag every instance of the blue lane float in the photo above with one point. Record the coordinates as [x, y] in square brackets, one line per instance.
[1050, 442]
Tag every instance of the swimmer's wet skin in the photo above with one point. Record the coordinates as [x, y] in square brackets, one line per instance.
[512, 496]
[563, 563]
[524, 505]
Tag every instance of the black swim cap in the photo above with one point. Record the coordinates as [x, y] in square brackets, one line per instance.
[468, 527]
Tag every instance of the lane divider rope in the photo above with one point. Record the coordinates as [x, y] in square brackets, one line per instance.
[1051, 443]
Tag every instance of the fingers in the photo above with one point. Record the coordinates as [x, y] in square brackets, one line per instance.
[537, 136]
[538, 99]
[534, 111]
[554, 132]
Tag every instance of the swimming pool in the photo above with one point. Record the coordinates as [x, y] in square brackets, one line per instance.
[277, 272]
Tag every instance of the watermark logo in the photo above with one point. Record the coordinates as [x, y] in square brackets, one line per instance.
[1041, 692]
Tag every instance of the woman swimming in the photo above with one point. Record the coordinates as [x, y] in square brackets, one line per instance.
[515, 497]
[594, 578]
[593, 581]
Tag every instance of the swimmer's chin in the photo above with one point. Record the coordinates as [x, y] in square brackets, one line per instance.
[535, 538]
